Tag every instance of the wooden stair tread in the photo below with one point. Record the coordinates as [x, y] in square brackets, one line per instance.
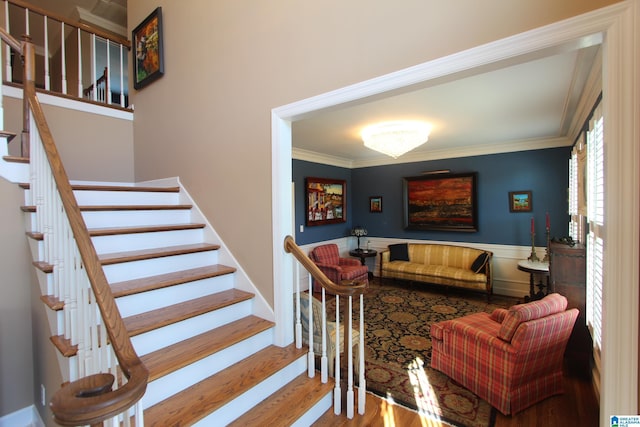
[286, 405]
[7, 134]
[16, 159]
[64, 346]
[108, 208]
[178, 355]
[35, 235]
[117, 257]
[144, 284]
[154, 319]
[112, 231]
[43, 266]
[52, 302]
[102, 187]
[195, 402]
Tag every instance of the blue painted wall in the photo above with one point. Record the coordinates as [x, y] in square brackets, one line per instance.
[543, 172]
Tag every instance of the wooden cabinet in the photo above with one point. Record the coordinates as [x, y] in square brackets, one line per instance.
[567, 276]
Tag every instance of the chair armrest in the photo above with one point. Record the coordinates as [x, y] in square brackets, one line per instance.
[499, 314]
[469, 331]
[349, 261]
[329, 267]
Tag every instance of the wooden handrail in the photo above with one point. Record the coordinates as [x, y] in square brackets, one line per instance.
[346, 288]
[77, 24]
[89, 400]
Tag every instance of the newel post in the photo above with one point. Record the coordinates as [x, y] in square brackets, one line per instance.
[29, 88]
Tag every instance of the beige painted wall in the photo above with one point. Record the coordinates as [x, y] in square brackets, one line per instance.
[228, 63]
[16, 361]
[92, 147]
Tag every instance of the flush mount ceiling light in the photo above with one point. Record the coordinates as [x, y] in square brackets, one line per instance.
[396, 138]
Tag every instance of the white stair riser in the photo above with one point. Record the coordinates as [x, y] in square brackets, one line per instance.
[315, 412]
[135, 218]
[255, 395]
[124, 198]
[146, 301]
[138, 241]
[171, 384]
[35, 247]
[171, 334]
[151, 267]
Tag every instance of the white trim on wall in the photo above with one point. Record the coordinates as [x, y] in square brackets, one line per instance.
[25, 417]
[617, 25]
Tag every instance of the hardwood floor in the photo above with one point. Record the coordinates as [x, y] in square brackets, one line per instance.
[578, 406]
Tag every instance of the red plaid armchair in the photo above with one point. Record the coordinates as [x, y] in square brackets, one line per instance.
[511, 358]
[337, 269]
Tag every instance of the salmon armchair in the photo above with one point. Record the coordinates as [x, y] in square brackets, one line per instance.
[336, 268]
[510, 358]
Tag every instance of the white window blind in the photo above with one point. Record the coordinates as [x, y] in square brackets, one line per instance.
[595, 216]
[573, 195]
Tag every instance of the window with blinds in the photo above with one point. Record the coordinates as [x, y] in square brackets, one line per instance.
[595, 217]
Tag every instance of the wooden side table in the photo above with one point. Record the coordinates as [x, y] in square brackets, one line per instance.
[363, 254]
[534, 269]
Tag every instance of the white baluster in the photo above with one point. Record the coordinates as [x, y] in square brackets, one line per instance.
[94, 82]
[349, 345]
[122, 58]
[63, 59]
[362, 382]
[311, 365]
[26, 22]
[107, 95]
[337, 393]
[47, 74]
[80, 86]
[7, 49]
[324, 375]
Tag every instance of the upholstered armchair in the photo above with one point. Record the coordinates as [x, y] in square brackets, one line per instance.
[337, 269]
[330, 335]
[511, 358]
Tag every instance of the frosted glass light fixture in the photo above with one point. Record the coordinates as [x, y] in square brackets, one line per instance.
[396, 138]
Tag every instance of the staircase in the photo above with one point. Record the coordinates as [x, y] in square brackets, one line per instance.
[210, 356]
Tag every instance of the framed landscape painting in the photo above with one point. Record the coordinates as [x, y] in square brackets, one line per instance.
[442, 202]
[520, 201]
[325, 199]
[148, 58]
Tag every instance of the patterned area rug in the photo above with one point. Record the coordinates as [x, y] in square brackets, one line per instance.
[398, 317]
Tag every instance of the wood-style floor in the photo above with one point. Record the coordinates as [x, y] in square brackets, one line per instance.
[578, 406]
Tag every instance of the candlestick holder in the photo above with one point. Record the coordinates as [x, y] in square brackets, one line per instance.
[533, 257]
[546, 252]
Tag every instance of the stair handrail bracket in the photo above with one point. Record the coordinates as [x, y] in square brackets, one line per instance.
[91, 395]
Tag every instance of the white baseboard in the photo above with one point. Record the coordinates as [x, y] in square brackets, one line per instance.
[26, 417]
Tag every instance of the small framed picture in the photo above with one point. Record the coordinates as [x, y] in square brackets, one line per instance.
[520, 201]
[375, 204]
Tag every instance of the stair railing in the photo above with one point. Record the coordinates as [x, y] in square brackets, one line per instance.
[106, 376]
[73, 53]
[346, 289]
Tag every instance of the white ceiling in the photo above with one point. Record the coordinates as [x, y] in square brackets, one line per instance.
[528, 105]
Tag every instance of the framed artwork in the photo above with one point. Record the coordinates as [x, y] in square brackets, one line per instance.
[375, 204]
[326, 201]
[441, 202]
[148, 61]
[520, 201]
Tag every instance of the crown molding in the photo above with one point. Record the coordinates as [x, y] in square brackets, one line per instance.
[424, 156]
